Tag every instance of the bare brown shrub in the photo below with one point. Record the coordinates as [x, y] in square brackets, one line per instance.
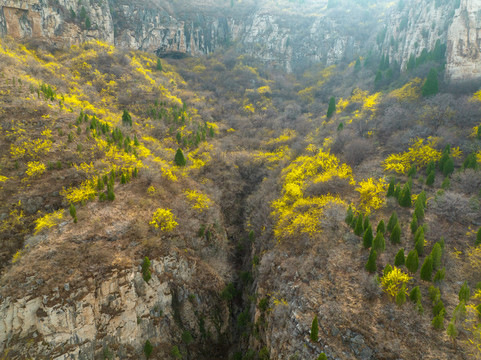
[468, 181]
[334, 185]
[357, 150]
[454, 207]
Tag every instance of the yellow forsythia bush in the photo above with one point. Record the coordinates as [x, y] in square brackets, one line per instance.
[164, 219]
[393, 281]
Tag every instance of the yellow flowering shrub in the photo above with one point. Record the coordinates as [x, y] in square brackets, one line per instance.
[286, 136]
[35, 168]
[32, 148]
[371, 193]
[199, 201]
[48, 221]
[86, 191]
[273, 157]
[249, 108]
[420, 153]
[409, 92]
[296, 213]
[3, 178]
[164, 219]
[393, 281]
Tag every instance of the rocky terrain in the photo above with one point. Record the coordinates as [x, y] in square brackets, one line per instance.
[235, 180]
[285, 38]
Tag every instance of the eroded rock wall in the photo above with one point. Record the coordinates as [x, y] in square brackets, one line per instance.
[117, 314]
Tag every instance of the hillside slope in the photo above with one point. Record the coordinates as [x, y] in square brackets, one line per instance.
[210, 208]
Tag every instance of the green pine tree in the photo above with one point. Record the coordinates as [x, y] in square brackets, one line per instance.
[478, 236]
[419, 246]
[396, 234]
[414, 223]
[440, 275]
[431, 166]
[452, 332]
[438, 322]
[401, 296]
[430, 86]
[314, 330]
[471, 162]
[464, 293]
[322, 356]
[430, 179]
[159, 65]
[367, 238]
[419, 234]
[110, 191]
[427, 269]
[412, 261]
[446, 183]
[358, 230]
[353, 222]
[392, 221]
[415, 295]
[126, 119]
[390, 189]
[400, 259]
[405, 196]
[371, 262]
[332, 107]
[397, 191]
[381, 227]
[419, 211]
[349, 215]
[448, 167]
[412, 171]
[366, 223]
[421, 199]
[438, 307]
[73, 213]
[387, 269]
[179, 158]
[443, 159]
[379, 244]
[436, 253]
[148, 349]
[146, 269]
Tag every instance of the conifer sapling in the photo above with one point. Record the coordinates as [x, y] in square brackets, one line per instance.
[412, 261]
[381, 227]
[400, 259]
[464, 293]
[358, 230]
[371, 262]
[73, 213]
[367, 238]
[427, 269]
[179, 158]
[314, 330]
[379, 244]
[396, 234]
[392, 221]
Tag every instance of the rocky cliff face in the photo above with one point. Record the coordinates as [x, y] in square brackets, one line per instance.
[282, 39]
[287, 40]
[417, 25]
[115, 315]
[414, 26]
[464, 42]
